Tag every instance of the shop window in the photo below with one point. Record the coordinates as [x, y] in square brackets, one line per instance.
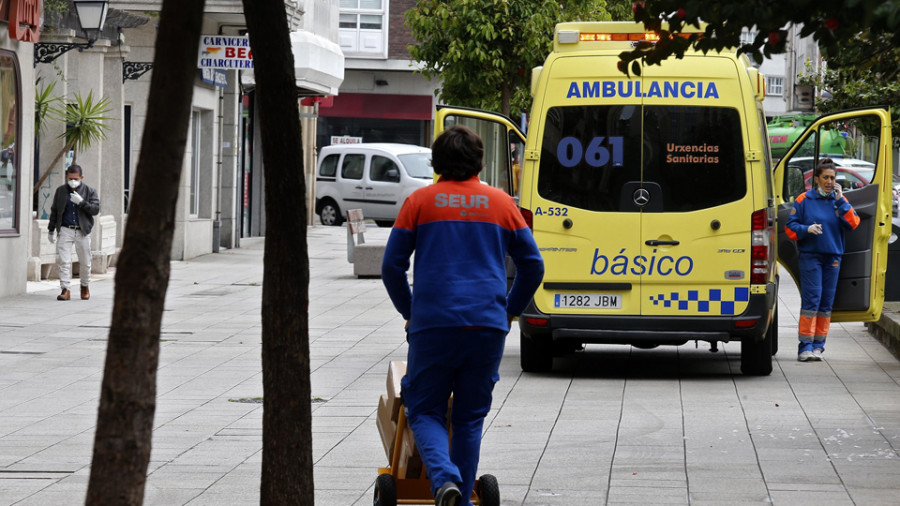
[362, 28]
[10, 182]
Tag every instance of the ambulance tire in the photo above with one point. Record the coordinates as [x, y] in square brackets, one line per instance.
[384, 223]
[385, 490]
[536, 353]
[756, 355]
[488, 490]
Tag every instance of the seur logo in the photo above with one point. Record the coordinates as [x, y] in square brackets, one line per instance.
[459, 200]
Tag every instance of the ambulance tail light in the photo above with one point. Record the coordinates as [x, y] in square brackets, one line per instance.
[759, 247]
[529, 218]
[537, 322]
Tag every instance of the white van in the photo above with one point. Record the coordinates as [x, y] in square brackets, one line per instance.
[374, 177]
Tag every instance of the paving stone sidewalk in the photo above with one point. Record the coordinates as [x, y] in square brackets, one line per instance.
[612, 425]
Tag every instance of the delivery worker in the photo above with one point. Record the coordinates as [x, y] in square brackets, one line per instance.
[460, 312]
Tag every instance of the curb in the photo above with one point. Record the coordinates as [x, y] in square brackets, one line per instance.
[887, 328]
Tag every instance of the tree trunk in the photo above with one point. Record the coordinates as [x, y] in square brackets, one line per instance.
[287, 470]
[128, 393]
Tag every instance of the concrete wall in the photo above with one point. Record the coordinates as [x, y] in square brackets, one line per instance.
[14, 247]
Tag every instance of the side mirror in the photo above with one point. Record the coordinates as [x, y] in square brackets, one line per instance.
[392, 175]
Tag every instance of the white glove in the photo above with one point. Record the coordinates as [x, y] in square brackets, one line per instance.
[76, 198]
[815, 229]
[52, 237]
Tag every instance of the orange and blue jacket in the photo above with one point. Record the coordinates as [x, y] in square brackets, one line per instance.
[835, 216]
[461, 232]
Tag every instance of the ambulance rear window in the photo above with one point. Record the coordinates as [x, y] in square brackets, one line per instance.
[690, 158]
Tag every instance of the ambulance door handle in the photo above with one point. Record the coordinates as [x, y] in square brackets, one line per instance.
[654, 242]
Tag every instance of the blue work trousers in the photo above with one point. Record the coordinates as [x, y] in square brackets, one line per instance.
[466, 363]
[818, 284]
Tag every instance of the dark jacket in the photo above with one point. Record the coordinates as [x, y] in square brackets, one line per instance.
[88, 208]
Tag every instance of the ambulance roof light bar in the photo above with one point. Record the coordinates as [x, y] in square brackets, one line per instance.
[575, 36]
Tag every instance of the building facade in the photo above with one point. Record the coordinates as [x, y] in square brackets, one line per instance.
[221, 196]
[19, 28]
[784, 93]
[382, 98]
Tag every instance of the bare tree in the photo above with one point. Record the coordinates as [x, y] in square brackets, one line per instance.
[287, 469]
[128, 395]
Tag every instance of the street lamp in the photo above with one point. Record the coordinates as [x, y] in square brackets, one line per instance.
[91, 16]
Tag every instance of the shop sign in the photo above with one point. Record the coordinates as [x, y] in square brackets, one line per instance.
[215, 77]
[24, 19]
[225, 52]
[346, 139]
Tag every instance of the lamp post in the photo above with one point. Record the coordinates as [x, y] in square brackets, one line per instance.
[91, 16]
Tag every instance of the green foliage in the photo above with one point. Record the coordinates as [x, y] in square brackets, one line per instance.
[484, 50]
[831, 23]
[84, 121]
[84, 126]
[56, 6]
[45, 106]
[866, 72]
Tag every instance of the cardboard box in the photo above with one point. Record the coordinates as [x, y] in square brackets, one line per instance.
[386, 427]
[396, 371]
[410, 465]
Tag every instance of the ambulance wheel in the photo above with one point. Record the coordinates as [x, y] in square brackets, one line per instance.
[385, 491]
[330, 214]
[536, 353]
[489, 490]
[756, 356]
[384, 223]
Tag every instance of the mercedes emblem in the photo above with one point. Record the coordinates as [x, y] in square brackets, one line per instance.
[641, 197]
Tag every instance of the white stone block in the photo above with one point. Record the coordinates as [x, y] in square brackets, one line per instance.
[105, 235]
[367, 260]
[34, 269]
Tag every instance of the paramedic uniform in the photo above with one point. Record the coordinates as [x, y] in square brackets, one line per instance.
[820, 259]
[461, 232]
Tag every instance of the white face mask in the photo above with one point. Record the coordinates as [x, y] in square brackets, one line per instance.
[74, 183]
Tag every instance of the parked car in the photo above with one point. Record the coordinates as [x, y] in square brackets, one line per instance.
[849, 179]
[373, 177]
[854, 174]
[807, 163]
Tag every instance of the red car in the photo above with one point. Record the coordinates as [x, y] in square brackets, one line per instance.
[855, 178]
[850, 179]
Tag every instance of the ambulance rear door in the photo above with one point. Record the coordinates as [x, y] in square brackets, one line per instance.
[588, 144]
[862, 155]
[695, 192]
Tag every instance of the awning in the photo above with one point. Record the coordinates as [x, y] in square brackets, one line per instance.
[380, 106]
[318, 65]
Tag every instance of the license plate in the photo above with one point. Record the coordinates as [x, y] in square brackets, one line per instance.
[588, 300]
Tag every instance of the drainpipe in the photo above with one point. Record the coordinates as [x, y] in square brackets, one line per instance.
[217, 224]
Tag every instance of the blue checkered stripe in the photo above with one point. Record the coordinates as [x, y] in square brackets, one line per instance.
[715, 298]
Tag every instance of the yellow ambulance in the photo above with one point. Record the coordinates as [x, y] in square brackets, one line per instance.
[655, 204]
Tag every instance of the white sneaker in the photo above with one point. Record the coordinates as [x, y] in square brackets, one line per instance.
[805, 356]
[817, 354]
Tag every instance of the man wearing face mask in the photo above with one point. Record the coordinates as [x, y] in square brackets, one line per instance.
[72, 214]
